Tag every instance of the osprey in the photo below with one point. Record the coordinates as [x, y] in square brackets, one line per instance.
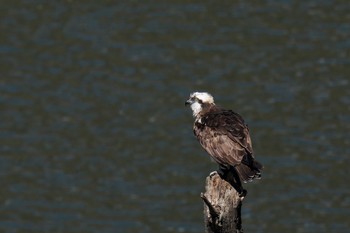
[225, 136]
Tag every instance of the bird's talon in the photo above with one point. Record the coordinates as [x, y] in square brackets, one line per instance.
[243, 193]
[213, 174]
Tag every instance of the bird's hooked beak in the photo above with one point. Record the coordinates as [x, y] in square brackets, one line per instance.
[188, 102]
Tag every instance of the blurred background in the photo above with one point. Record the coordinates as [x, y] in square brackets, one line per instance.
[95, 137]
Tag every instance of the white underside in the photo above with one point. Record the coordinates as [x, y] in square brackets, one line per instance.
[196, 108]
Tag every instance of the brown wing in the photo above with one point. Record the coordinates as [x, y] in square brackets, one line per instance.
[225, 136]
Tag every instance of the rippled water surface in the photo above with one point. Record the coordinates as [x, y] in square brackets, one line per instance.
[95, 136]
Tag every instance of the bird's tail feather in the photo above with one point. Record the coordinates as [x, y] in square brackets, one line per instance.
[249, 173]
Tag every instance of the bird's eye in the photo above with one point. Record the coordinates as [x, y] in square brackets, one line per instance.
[195, 99]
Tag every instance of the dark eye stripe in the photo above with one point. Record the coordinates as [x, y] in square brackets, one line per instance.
[195, 99]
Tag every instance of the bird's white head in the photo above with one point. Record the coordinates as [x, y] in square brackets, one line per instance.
[198, 100]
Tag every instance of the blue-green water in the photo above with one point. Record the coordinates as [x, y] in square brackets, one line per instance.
[95, 136]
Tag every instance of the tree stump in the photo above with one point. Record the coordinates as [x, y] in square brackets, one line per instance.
[222, 206]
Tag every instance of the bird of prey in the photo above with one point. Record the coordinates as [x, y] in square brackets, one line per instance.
[225, 136]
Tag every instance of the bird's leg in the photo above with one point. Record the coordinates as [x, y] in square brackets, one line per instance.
[223, 170]
[230, 174]
[237, 184]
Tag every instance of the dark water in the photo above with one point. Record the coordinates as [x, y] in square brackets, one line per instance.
[95, 136]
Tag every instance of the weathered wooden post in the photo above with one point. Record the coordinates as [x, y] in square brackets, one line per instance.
[222, 206]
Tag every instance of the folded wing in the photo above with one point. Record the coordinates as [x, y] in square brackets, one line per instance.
[225, 136]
